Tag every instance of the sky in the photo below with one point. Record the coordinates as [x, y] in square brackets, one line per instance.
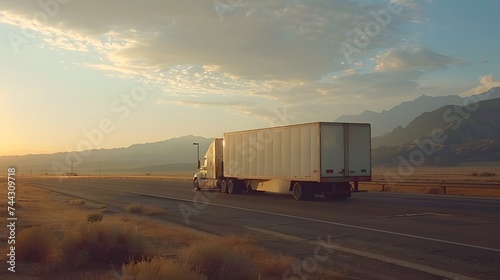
[92, 74]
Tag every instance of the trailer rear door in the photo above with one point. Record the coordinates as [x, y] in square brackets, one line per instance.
[358, 143]
[332, 150]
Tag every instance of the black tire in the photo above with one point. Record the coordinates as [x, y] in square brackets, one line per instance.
[231, 187]
[234, 186]
[239, 186]
[301, 193]
[196, 184]
[223, 186]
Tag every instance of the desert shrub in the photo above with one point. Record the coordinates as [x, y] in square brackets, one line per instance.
[434, 191]
[159, 269]
[135, 208]
[275, 265]
[268, 264]
[35, 244]
[77, 201]
[219, 262]
[239, 267]
[140, 209]
[99, 244]
[487, 174]
[474, 174]
[94, 217]
[390, 189]
[242, 245]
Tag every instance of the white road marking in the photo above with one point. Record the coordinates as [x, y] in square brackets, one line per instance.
[316, 220]
[414, 215]
[341, 248]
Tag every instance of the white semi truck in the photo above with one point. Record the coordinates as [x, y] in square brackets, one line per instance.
[305, 159]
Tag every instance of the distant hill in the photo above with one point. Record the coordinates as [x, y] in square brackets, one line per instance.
[175, 154]
[448, 136]
[404, 113]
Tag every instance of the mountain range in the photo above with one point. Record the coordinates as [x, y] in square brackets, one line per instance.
[172, 155]
[441, 129]
[450, 135]
[404, 113]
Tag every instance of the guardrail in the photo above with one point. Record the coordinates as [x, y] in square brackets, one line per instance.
[435, 184]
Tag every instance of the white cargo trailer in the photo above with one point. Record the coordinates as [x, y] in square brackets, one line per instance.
[306, 159]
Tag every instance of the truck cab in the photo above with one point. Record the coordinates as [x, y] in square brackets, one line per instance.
[211, 172]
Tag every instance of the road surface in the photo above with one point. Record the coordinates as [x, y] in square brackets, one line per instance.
[371, 235]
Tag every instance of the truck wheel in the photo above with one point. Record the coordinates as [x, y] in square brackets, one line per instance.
[223, 186]
[234, 186]
[196, 184]
[301, 193]
[231, 187]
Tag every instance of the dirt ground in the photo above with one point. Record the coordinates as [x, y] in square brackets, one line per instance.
[489, 174]
[58, 213]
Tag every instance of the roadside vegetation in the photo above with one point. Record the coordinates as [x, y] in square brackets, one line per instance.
[137, 208]
[89, 243]
[441, 175]
[76, 201]
[483, 174]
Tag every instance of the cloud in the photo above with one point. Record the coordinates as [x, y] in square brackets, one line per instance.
[483, 59]
[417, 59]
[260, 54]
[486, 83]
[257, 40]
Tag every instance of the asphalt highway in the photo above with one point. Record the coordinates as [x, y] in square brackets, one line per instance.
[369, 236]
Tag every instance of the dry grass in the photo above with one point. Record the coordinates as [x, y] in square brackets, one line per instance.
[93, 246]
[94, 217]
[478, 192]
[99, 244]
[159, 269]
[434, 191]
[390, 189]
[137, 208]
[3, 209]
[270, 265]
[462, 174]
[274, 265]
[234, 257]
[216, 261]
[485, 173]
[76, 201]
[37, 244]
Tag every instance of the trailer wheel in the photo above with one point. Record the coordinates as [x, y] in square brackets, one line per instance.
[248, 187]
[301, 193]
[196, 184]
[223, 186]
[233, 187]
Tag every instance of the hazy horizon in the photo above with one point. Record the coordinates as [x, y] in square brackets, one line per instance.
[119, 73]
